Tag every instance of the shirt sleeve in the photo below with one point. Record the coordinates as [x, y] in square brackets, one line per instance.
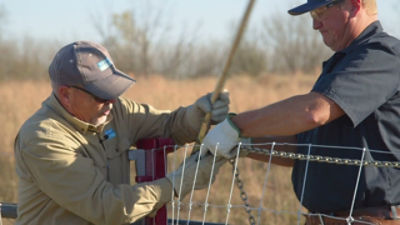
[362, 81]
[76, 184]
[144, 121]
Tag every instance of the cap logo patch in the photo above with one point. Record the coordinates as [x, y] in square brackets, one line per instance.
[104, 64]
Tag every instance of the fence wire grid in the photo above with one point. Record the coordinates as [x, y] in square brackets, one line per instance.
[268, 187]
[265, 194]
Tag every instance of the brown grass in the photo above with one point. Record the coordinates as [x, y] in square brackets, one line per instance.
[21, 98]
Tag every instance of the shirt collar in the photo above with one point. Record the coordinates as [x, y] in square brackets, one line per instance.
[80, 125]
[371, 29]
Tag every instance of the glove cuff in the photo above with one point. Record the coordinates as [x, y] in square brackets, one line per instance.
[175, 179]
[232, 124]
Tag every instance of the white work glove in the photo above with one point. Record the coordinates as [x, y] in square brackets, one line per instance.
[223, 140]
[182, 179]
[219, 110]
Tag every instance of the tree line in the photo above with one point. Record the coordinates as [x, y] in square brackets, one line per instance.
[139, 39]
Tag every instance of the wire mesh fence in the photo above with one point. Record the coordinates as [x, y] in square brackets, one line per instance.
[264, 193]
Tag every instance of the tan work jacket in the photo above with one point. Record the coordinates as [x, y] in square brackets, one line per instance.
[71, 172]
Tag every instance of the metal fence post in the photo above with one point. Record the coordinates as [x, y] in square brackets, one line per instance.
[155, 152]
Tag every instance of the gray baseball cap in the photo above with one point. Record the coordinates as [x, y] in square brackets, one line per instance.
[309, 6]
[89, 66]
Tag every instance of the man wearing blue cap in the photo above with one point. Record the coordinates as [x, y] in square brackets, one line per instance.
[72, 154]
[354, 103]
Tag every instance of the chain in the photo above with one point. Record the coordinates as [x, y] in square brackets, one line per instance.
[323, 159]
[243, 194]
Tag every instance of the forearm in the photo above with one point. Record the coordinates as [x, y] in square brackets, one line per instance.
[288, 117]
[280, 119]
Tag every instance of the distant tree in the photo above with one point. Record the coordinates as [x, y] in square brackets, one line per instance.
[23, 58]
[293, 45]
[204, 59]
[130, 46]
[8, 54]
[140, 40]
[249, 59]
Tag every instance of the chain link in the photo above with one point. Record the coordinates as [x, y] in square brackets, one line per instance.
[323, 159]
[243, 194]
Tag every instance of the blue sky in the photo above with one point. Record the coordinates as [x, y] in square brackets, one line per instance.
[74, 19]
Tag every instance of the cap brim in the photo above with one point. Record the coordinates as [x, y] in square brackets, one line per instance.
[112, 86]
[307, 7]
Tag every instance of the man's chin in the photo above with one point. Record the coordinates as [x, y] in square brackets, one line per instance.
[100, 120]
[328, 44]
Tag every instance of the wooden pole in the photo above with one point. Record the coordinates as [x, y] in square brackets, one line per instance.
[222, 79]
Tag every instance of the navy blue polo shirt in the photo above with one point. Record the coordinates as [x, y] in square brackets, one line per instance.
[364, 80]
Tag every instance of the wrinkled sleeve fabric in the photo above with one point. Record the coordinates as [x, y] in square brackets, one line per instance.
[76, 184]
[144, 121]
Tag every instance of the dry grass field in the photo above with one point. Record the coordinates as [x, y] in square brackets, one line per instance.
[22, 98]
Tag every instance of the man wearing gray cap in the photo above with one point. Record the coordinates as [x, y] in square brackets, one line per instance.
[354, 103]
[72, 154]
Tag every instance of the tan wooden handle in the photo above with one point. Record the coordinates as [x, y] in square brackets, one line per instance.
[222, 79]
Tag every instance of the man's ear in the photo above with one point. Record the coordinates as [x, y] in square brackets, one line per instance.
[63, 94]
[355, 6]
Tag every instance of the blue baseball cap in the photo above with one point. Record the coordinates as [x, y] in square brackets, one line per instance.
[309, 6]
